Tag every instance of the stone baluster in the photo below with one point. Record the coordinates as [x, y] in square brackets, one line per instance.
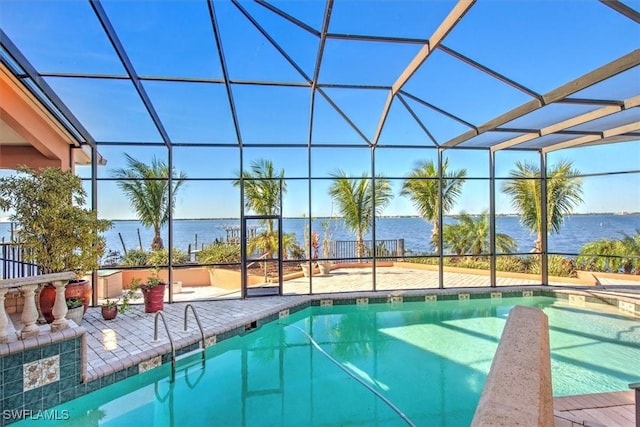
[4, 320]
[59, 307]
[29, 312]
[41, 319]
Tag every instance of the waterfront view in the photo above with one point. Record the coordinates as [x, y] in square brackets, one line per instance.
[416, 232]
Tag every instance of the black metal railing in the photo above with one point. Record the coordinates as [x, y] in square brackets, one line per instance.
[13, 262]
[385, 250]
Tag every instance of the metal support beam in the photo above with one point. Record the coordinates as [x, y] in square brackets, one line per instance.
[492, 219]
[128, 66]
[622, 8]
[456, 14]
[225, 74]
[544, 267]
[609, 70]
[620, 130]
[440, 219]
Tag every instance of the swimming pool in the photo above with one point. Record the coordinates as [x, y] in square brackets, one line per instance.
[429, 359]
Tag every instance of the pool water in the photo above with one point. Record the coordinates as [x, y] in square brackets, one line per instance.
[430, 359]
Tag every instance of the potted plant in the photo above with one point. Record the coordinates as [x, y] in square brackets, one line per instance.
[109, 309]
[55, 230]
[75, 309]
[152, 291]
[328, 228]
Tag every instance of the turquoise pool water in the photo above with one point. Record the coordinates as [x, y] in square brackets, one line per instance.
[429, 359]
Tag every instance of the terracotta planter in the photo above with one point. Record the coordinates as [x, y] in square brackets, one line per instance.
[75, 289]
[109, 313]
[153, 298]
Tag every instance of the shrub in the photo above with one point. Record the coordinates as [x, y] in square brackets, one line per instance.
[219, 253]
[557, 265]
[161, 257]
[135, 257]
[513, 264]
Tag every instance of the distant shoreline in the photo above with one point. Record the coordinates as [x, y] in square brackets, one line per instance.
[6, 221]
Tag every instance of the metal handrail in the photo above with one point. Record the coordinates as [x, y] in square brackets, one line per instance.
[155, 338]
[195, 314]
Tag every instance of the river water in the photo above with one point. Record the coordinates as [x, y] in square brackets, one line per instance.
[575, 232]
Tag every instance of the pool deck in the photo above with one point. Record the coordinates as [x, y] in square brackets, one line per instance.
[595, 410]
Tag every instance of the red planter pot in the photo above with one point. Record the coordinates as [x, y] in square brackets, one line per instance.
[75, 289]
[109, 313]
[153, 298]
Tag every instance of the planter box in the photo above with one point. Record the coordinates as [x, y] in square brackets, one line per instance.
[109, 284]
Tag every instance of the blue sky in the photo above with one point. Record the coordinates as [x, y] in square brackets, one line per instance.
[174, 39]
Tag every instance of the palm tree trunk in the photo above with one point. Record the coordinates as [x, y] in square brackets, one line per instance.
[435, 235]
[156, 244]
[359, 245]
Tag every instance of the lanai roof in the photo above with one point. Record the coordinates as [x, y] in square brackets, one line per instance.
[540, 75]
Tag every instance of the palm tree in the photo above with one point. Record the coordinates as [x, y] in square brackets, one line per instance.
[147, 188]
[262, 194]
[355, 199]
[631, 247]
[563, 195]
[422, 187]
[471, 235]
[262, 189]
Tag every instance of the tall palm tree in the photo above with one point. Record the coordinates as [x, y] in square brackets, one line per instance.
[355, 198]
[564, 192]
[422, 187]
[471, 235]
[147, 188]
[262, 194]
[262, 189]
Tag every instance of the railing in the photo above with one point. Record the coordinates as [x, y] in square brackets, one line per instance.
[12, 262]
[29, 287]
[346, 250]
[174, 359]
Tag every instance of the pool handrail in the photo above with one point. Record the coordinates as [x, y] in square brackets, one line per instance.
[202, 339]
[355, 377]
[160, 314]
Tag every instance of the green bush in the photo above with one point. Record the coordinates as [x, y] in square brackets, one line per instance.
[601, 256]
[140, 257]
[135, 258]
[161, 257]
[219, 253]
[558, 265]
[513, 264]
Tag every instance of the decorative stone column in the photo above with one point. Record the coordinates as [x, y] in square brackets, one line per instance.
[4, 320]
[29, 312]
[59, 307]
